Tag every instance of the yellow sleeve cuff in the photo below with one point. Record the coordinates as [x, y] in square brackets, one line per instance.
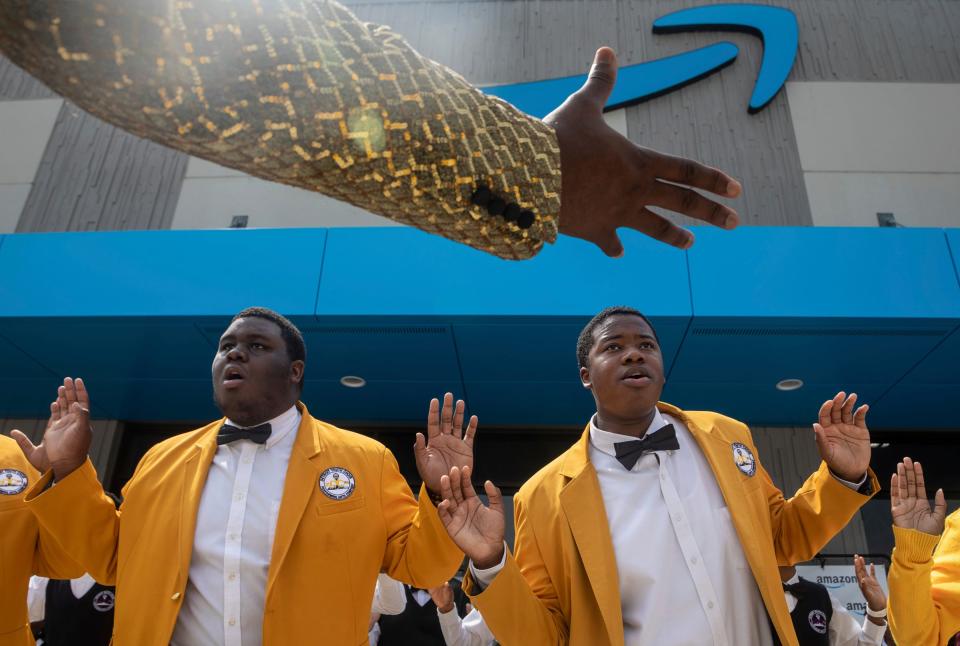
[914, 546]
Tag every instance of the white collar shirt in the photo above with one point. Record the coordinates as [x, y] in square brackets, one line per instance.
[683, 576]
[236, 520]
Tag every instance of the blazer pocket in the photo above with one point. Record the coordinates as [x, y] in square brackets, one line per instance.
[329, 508]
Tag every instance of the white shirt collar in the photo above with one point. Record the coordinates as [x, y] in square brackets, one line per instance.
[794, 579]
[604, 440]
[280, 426]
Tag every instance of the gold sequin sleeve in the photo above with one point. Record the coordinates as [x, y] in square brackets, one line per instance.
[302, 93]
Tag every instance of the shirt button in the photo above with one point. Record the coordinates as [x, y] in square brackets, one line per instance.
[232, 621]
[239, 496]
[247, 460]
[710, 605]
[233, 537]
[694, 560]
[233, 575]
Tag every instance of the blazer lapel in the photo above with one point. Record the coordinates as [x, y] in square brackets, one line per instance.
[194, 473]
[302, 479]
[582, 505]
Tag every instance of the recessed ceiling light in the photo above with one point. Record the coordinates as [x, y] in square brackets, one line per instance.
[351, 381]
[790, 384]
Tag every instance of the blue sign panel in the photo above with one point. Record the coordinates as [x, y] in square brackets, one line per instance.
[776, 26]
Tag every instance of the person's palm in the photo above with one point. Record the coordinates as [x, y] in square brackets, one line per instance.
[476, 529]
[67, 437]
[843, 439]
[446, 444]
[908, 500]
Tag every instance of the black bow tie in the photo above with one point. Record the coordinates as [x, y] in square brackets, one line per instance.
[794, 588]
[258, 434]
[663, 440]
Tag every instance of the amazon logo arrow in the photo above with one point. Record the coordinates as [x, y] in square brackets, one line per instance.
[775, 26]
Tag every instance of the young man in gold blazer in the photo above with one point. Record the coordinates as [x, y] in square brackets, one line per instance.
[924, 577]
[265, 527]
[303, 93]
[659, 526]
[25, 547]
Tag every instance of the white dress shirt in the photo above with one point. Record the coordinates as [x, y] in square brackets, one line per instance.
[236, 521]
[683, 576]
[843, 629]
[389, 597]
[37, 594]
[684, 579]
[469, 631]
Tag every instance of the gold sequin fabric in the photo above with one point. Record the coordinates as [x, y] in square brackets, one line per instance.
[302, 93]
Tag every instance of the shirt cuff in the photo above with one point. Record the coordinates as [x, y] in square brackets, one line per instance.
[485, 577]
[449, 618]
[851, 485]
[873, 632]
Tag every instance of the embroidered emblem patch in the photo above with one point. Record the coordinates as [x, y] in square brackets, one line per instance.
[12, 482]
[103, 601]
[743, 458]
[818, 621]
[337, 483]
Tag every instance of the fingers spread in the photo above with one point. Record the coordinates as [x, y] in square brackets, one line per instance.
[692, 173]
[660, 228]
[690, 203]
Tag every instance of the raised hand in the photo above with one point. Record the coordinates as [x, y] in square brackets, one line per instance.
[908, 500]
[66, 439]
[869, 585]
[476, 529]
[442, 597]
[843, 439]
[608, 182]
[446, 445]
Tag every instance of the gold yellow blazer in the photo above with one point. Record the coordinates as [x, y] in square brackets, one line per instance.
[561, 586]
[301, 92]
[25, 547]
[320, 544]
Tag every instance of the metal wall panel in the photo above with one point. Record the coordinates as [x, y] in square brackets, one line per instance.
[94, 177]
[17, 84]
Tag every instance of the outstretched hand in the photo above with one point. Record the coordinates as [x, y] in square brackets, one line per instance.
[446, 445]
[843, 439]
[608, 182]
[908, 500]
[67, 437]
[476, 529]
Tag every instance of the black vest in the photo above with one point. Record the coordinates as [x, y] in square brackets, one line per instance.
[811, 617]
[418, 624]
[87, 620]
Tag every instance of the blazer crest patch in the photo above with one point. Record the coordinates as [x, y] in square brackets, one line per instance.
[337, 483]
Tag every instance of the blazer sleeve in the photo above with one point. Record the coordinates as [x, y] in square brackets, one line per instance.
[419, 551]
[924, 582]
[304, 94]
[818, 511]
[82, 518]
[521, 605]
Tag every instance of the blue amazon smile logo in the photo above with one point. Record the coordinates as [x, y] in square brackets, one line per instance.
[777, 28]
